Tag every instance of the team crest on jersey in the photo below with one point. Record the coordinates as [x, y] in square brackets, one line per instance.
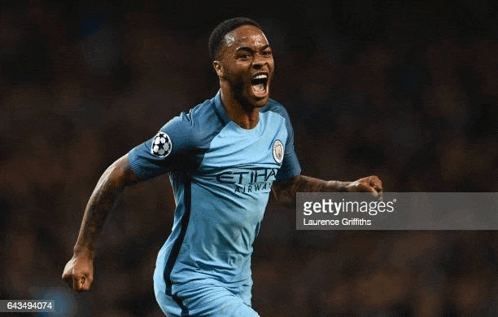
[161, 145]
[278, 151]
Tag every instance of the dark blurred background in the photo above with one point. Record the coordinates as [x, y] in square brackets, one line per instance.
[406, 90]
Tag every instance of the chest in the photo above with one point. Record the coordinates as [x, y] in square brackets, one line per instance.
[255, 149]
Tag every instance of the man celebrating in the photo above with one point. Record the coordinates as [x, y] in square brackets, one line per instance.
[223, 158]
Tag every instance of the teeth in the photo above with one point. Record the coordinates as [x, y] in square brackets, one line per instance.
[261, 77]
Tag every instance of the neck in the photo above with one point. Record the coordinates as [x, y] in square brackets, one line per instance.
[245, 116]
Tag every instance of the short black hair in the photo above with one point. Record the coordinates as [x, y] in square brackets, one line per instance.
[216, 37]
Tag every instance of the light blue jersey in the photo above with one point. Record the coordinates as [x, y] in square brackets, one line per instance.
[221, 176]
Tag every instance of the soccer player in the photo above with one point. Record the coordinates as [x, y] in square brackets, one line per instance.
[223, 158]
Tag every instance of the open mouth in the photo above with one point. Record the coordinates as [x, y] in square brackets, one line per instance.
[259, 85]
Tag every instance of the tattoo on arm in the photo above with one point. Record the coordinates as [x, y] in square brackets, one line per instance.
[285, 192]
[108, 189]
[310, 184]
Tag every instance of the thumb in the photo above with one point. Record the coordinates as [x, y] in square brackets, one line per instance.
[372, 191]
[365, 187]
[79, 283]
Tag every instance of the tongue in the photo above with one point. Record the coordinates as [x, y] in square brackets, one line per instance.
[259, 87]
[259, 90]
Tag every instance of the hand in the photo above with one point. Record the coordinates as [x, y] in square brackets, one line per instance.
[78, 273]
[371, 184]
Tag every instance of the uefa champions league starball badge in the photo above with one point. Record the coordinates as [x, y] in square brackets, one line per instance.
[161, 145]
[278, 151]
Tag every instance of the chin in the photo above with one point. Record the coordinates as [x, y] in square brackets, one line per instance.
[261, 102]
[249, 100]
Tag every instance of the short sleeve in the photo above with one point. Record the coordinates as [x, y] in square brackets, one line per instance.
[290, 164]
[167, 151]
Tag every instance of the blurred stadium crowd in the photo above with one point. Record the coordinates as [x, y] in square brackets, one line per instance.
[403, 90]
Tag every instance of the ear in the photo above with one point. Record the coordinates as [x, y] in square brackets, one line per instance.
[219, 69]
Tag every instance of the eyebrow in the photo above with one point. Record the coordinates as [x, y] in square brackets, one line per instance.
[247, 48]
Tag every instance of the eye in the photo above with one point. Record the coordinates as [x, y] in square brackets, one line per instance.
[267, 53]
[243, 55]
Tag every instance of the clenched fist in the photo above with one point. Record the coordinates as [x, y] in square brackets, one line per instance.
[371, 184]
[78, 273]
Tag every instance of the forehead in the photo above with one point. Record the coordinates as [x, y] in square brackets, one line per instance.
[245, 35]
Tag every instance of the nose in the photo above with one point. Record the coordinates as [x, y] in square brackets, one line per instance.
[259, 61]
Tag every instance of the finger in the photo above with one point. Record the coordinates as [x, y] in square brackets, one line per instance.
[68, 279]
[79, 283]
[371, 190]
[381, 195]
[75, 283]
[376, 183]
[374, 192]
[67, 276]
[85, 283]
[378, 187]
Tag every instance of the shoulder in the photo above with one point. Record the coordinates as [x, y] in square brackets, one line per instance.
[277, 109]
[195, 116]
[200, 124]
[275, 106]
[205, 115]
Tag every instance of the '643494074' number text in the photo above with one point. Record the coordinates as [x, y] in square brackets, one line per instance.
[26, 306]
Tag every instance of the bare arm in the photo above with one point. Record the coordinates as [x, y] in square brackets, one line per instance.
[79, 270]
[285, 192]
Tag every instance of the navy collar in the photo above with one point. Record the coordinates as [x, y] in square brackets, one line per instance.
[222, 113]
